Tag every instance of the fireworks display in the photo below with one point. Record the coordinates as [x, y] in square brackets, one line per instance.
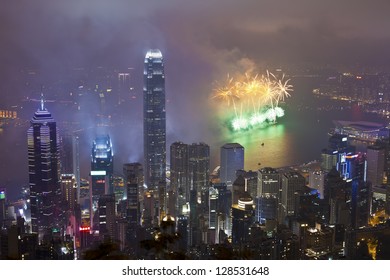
[254, 99]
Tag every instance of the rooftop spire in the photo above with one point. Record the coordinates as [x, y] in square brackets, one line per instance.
[42, 102]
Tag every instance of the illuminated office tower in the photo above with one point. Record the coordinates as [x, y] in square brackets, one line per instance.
[232, 159]
[224, 223]
[70, 156]
[154, 119]
[238, 188]
[213, 207]
[107, 215]
[199, 168]
[134, 173]
[69, 191]
[375, 165]
[250, 178]
[182, 229]
[85, 202]
[337, 194]
[337, 154]
[291, 183]
[360, 203]
[101, 173]
[44, 171]
[76, 163]
[148, 210]
[387, 205]
[179, 174]
[316, 181]
[134, 178]
[328, 159]
[268, 194]
[213, 215]
[124, 86]
[243, 216]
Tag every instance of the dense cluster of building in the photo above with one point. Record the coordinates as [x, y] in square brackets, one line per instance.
[372, 91]
[338, 210]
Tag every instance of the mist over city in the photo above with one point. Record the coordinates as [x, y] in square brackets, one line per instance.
[287, 82]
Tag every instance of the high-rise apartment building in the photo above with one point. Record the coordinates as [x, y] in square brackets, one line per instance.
[44, 171]
[154, 119]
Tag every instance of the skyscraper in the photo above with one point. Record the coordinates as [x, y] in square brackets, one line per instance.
[360, 203]
[337, 154]
[232, 159]
[134, 179]
[44, 170]
[101, 172]
[69, 191]
[134, 173]
[106, 204]
[243, 216]
[268, 194]
[213, 215]
[70, 158]
[291, 183]
[2, 208]
[154, 119]
[199, 168]
[375, 164]
[179, 174]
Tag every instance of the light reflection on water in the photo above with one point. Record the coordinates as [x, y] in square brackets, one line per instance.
[298, 138]
[273, 151]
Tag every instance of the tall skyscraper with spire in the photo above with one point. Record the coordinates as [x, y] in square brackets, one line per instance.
[154, 119]
[44, 170]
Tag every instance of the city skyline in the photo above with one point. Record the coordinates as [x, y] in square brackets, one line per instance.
[314, 184]
[286, 38]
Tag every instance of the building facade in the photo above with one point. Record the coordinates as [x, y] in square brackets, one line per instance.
[101, 173]
[179, 175]
[232, 159]
[44, 171]
[154, 119]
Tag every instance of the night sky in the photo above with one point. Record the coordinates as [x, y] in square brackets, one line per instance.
[201, 42]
